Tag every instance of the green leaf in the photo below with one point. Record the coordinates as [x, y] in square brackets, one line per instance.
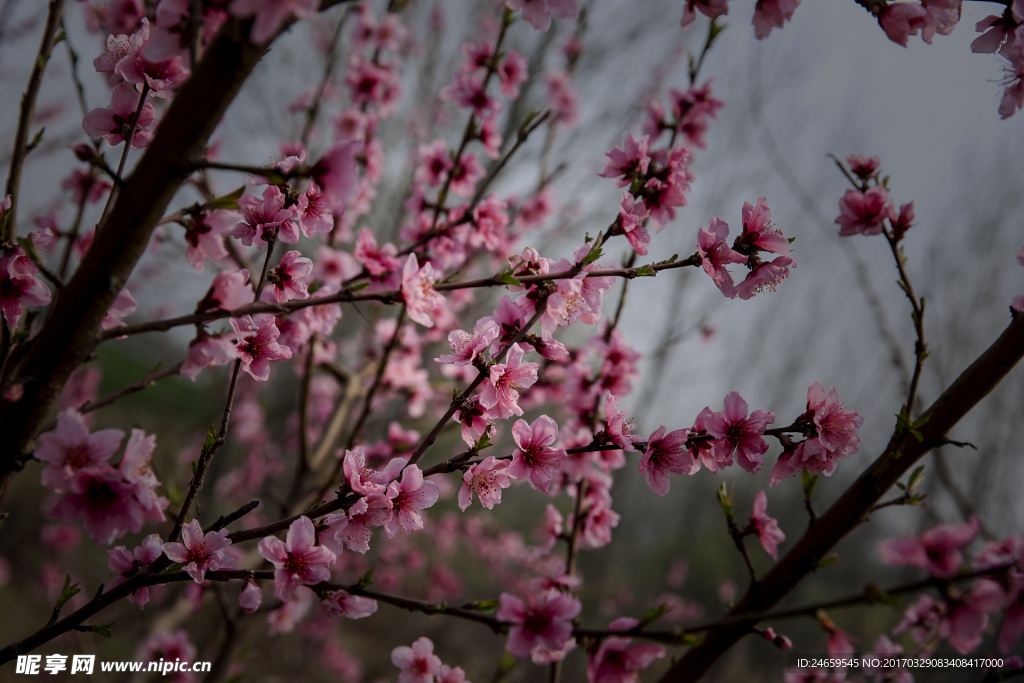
[653, 615]
[29, 247]
[916, 477]
[448, 279]
[211, 438]
[228, 201]
[829, 560]
[69, 591]
[671, 259]
[103, 630]
[725, 500]
[483, 606]
[357, 287]
[810, 482]
[195, 469]
[506, 278]
[791, 239]
[507, 662]
[595, 252]
[366, 579]
[646, 271]
[36, 140]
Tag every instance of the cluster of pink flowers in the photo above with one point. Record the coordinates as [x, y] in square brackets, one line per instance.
[109, 500]
[768, 14]
[419, 664]
[19, 282]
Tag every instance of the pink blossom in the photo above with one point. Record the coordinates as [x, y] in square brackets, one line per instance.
[616, 427]
[266, 219]
[936, 550]
[434, 163]
[772, 13]
[169, 646]
[864, 167]
[543, 620]
[85, 186]
[997, 32]
[449, 675]
[260, 346]
[208, 351]
[408, 497]
[1013, 96]
[666, 454]
[629, 163]
[466, 347]
[378, 260]
[473, 419]
[250, 597]
[551, 531]
[112, 124]
[598, 524]
[125, 564]
[204, 236]
[512, 73]
[500, 391]
[19, 286]
[836, 424]
[863, 212]
[333, 267]
[540, 12]
[106, 503]
[900, 20]
[715, 254]
[778, 640]
[366, 514]
[465, 175]
[365, 480]
[199, 552]
[418, 291]
[766, 275]
[136, 467]
[562, 97]
[840, 644]
[336, 174]
[757, 229]
[632, 217]
[313, 213]
[965, 623]
[709, 8]
[734, 430]
[534, 459]
[230, 290]
[469, 92]
[342, 604]
[272, 14]
[767, 528]
[123, 306]
[297, 561]
[418, 663]
[616, 661]
[70, 447]
[163, 77]
[533, 212]
[486, 479]
[287, 277]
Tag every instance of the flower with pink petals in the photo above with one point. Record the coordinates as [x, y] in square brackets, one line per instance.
[408, 497]
[126, 564]
[170, 646]
[204, 236]
[709, 8]
[512, 73]
[735, 431]
[297, 560]
[534, 459]
[343, 604]
[200, 552]
[772, 14]
[715, 254]
[500, 392]
[836, 424]
[666, 454]
[473, 418]
[364, 479]
[334, 266]
[266, 219]
[364, 516]
[336, 174]
[767, 528]
[900, 20]
[758, 232]
[936, 550]
[378, 260]
[465, 175]
[629, 163]
[633, 216]
[616, 661]
[539, 12]
[112, 124]
[418, 663]
[259, 346]
[434, 163]
[162, 77]
[250, 597]
[486, 479]
[418, 291]
[766, 275]
[863, 212]
[19, 286]
[230, 290]
[864, 167]
[542, 620]
[209, 351]
[70, 447]
[106, 503]
[616, 427]
[123, 306]
[271, 15]
[312, 211]
[466, 347]
[288, 277]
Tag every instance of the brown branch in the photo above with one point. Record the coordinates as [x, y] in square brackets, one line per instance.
[25, 115]
[389, 296]
[976, 382]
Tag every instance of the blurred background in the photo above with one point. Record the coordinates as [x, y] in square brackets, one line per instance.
[830, 82]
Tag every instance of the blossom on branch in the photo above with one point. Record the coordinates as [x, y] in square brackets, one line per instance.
[199, 552]
[297, 560]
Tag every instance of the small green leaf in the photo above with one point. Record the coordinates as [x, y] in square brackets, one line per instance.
[646, 271]
[29, 247]
[916, 477]
[506, 278]
[366, 579]
[791, 239]
[595, 252]
[725, 500]
[195, 469]
[228, 201]
[69, 591]
[810, 482]
[211, 438]
[653, 615]
[671, 259]
[36, 140]
[103, 630]
[357, 287]
[483, 606]
[829, 560]
[448, 279]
